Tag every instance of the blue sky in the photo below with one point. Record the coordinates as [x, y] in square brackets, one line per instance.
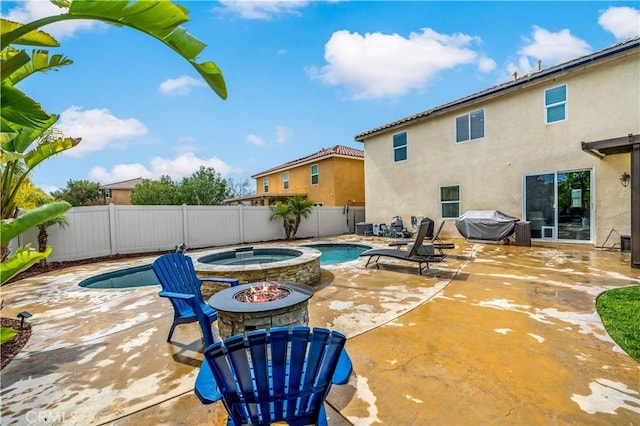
[301, 76]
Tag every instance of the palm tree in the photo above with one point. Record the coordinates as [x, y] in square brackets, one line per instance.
[279, 210]
[43, 235]
[300, 208]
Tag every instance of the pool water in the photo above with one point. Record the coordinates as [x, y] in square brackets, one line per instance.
[138, 276]
[141, 276]
[250, 256]
[333, 253]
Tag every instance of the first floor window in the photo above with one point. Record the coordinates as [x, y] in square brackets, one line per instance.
[265, 184]
[285, 180]
[107, 193]
[555, 104]
[400, 147]
[450, 201]
[470, 126]
[314, 175]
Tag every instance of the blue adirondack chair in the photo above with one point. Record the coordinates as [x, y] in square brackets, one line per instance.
[181, 286]
[281, 374]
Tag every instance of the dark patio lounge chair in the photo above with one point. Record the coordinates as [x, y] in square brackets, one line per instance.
[435, 238]
[417, 252]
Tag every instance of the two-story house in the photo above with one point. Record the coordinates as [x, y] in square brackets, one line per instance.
[119, 192]
[330, 177]
[557, 147]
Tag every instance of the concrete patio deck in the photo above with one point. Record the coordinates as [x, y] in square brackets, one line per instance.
[494, 335]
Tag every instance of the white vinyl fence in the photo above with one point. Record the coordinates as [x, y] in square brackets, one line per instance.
[114, 229]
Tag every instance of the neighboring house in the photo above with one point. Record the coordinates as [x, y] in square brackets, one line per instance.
[330, 177]
[551, 147]
[119, 192]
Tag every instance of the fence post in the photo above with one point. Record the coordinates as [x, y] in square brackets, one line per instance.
[185, 226]
[112, 229]
[241, 223]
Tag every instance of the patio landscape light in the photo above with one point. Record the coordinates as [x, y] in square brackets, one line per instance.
[624, 179]
[22, 315]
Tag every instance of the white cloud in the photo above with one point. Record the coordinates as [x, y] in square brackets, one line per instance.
[263, 9]
[180, 86]
[97, 128]
[377, 65]
[256, 140]
[30, 10]
[622, 22]
[554, 48]
[282, 135]
[548, 47]
[177, 168]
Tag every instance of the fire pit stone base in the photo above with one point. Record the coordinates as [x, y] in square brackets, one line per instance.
[231, 323]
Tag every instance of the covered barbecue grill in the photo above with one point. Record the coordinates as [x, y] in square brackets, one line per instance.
[491, 225]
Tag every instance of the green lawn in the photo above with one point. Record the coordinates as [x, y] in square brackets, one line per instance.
[620, 313]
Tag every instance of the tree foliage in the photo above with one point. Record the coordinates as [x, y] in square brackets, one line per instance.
[163, 192]
[80, 193]
[205, 187]
[239, 188]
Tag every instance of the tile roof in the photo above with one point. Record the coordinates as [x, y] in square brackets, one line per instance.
[630, 43]
[125, 184]
[337, 150]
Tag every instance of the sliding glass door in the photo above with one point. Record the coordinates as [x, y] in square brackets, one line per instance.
[558, 205]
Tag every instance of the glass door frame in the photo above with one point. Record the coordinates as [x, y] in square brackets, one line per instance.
[555, 205]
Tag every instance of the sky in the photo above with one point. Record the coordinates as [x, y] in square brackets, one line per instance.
[301, 76]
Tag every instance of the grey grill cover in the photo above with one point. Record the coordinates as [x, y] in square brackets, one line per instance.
[490, 225]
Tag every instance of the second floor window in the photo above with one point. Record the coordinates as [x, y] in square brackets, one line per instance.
[265, 184]
[400, 147]
[285, 180]
[450, 201]
[555, 104]
[314, 175]
[470, 126]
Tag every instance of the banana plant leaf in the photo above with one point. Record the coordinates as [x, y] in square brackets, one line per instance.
[158, 18]
[47, 149]
[17, 108]
[32, 38]
[21, 140]
[23, 259]
[9, 229]
[40, 61]
[7, 334]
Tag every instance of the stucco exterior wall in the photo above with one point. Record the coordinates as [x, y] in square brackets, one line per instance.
[120, 196]
[339, 179]
[602, 103]
[349, 181]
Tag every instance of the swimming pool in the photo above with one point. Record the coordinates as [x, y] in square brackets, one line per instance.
[333, 253]
[141, 276]
[137, 276]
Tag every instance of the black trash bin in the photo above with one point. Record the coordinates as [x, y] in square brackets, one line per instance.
[523, 234]
[625, 243]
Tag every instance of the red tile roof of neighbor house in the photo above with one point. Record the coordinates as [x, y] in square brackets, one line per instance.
[334, 151]
[125, 184]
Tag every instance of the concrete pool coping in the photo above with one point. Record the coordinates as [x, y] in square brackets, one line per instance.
[495, 334]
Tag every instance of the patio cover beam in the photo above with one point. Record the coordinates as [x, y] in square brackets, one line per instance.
[625, 145]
